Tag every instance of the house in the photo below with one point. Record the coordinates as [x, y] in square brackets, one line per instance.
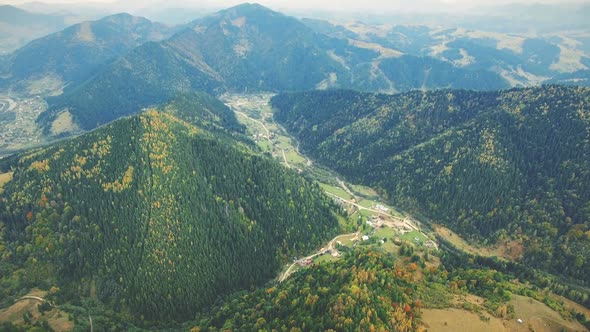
[365, 238]
[304, 262]
[382, 208]
[430, 244]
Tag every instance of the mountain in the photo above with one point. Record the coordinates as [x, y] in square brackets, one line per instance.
[521, 58]
[79, 51]
[153, 218]
[512, 164]
[250, 48]
[407, 72]
[18, 27]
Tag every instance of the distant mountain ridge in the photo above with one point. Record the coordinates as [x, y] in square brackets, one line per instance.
[522, 58]
[18, 27]
[251, 48]
[79, 51]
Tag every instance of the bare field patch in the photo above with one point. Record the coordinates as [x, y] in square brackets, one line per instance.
[57, 319]
[538, 317]
[85, 32]
[50, 84]
[570, 60]
[384, 52]
[64, 123]
[453, 320]
[511, 250]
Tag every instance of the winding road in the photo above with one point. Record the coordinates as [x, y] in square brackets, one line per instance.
[322, 251]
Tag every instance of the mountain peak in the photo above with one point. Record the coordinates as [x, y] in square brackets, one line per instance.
[251, 10]
[124, 18]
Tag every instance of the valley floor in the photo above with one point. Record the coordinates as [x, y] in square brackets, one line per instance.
[384, 228]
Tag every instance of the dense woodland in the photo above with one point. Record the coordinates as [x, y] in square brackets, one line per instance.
[513, 164]
[153, 217]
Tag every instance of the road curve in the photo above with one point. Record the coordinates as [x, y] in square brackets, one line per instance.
[329, 247]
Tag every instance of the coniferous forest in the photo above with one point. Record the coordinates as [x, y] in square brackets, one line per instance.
[154, 217]
[447, 190]
[512, 164]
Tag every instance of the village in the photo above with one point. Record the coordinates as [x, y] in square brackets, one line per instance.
[18, 128]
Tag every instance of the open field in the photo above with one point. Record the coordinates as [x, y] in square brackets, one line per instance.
[336, 191]
[325, 259]
[538, 317]
[508, 249]
[57, 319]
[385, 232]
[412, 236]
[365, 191]
[452, 320]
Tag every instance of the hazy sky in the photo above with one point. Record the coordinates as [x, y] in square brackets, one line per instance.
[303, 8]
[320, 4]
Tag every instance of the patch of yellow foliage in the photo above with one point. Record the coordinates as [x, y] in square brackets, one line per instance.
[118, 186]
[40, 166]
[489, 154]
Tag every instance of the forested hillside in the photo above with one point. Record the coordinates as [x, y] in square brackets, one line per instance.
[494, 165]
[153, 217]
[204, 111]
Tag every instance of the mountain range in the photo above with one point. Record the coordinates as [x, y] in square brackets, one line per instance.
[522, 59]
[251, 48]
[78, 52]
[462, 182]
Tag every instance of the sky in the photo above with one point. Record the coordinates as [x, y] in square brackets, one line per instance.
[317, 4]
[327, 9]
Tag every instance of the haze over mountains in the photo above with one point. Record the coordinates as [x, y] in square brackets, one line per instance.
[372, 169]
[18, 27]
[252, 48]
[76, 53]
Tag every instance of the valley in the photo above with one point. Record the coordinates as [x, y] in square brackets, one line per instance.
[261, 170]
[365, 209]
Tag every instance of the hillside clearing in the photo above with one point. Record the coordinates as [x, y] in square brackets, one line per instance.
[57, 319]
[507, 249]
[451, 320]
[538, 317]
